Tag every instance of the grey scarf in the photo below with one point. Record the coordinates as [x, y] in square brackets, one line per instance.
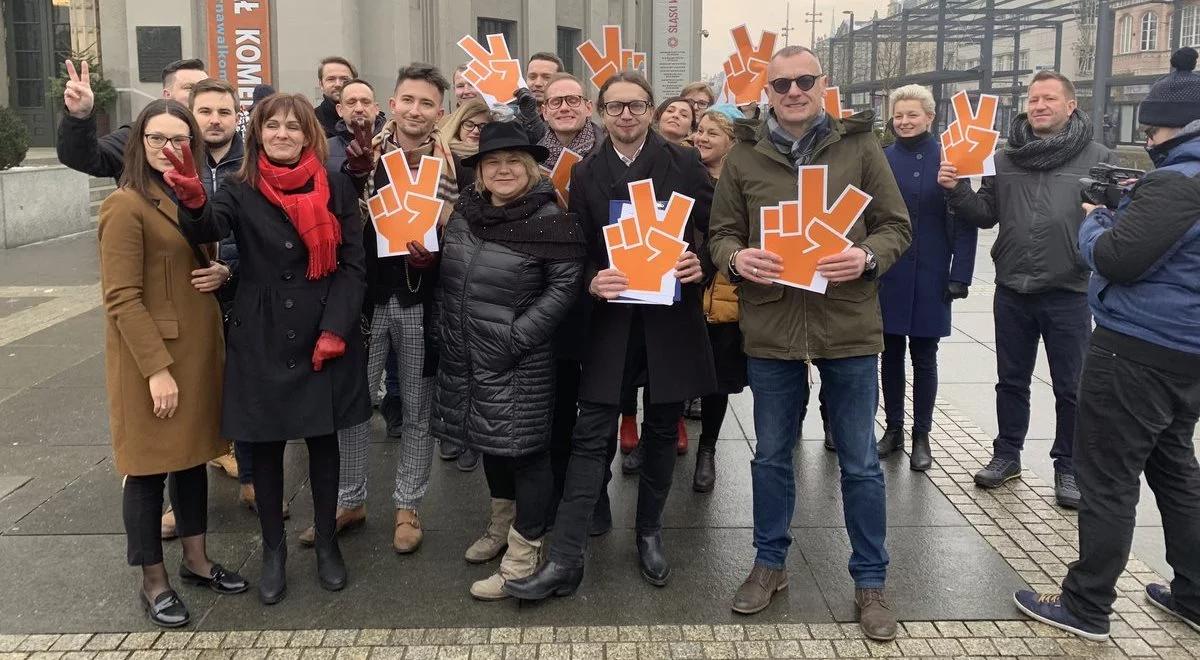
[798, 150]
[1030, 152]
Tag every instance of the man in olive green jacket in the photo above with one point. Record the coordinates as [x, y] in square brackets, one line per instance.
[785, 328]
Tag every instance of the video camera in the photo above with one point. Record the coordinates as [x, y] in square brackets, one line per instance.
[1106, 184]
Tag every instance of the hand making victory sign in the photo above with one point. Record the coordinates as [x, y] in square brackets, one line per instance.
[77, 95]
[360, 159]
[183, 178]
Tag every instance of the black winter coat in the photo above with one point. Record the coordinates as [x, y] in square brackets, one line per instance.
[271, 391]
[679, 357]
[498, 311]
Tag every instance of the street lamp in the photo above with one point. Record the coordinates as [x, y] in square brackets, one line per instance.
[850, 51]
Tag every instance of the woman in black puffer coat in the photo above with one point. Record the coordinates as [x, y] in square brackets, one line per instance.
[511, 266]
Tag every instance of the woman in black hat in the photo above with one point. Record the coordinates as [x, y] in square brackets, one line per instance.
[511, 267]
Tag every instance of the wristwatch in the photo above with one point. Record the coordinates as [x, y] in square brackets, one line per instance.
[872, 262]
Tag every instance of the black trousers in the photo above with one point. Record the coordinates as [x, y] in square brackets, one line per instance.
[595, 442]
[712, 416]
[1060, 319]
[528, 480]
[566, 410]
[323, 459]
[142, 505]
[1134, 418]
[925, 380]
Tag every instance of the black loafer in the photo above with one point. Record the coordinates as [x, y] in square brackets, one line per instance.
[221, 580]
[167, 610]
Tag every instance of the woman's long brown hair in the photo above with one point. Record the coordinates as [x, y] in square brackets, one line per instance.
[138, 175]
[275, 104]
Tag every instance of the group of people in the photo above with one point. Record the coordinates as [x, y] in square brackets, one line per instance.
[509, 346]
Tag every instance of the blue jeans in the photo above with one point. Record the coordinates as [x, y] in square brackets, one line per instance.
[848, 385]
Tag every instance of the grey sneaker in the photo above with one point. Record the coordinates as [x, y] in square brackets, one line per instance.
[1066, 493]
[998, 472]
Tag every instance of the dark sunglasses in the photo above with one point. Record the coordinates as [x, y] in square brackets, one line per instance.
[784, 85]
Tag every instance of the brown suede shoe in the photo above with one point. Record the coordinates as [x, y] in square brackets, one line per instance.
[408, 535]
[756, 592]
[874, 615]
[346, 520]
[168, 530]
[227, 463]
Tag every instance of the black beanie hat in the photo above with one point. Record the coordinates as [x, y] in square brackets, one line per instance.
[1174, 101]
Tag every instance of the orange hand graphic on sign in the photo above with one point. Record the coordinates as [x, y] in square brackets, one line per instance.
[833, 103]
[613, 59]
[804, 231]
[746, 68]
[970, 141]
[492, 71]
[560, 176]
[647, 245]
[407, 209]
[645, 261]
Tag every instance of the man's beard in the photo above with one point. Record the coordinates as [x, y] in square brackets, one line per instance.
[211, 144]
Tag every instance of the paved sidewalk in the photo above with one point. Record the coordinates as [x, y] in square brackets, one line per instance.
[957, 552]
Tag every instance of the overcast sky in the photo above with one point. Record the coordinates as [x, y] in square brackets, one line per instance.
[722, 15]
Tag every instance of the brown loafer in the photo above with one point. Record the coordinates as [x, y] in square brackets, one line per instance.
[760, 587]
[347, 519]
[408, 534]
[874, 616]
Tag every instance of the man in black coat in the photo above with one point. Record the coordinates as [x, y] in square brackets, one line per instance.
[664, 348]
[332, 73]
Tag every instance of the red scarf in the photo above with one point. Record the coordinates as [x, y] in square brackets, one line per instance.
[308, 211]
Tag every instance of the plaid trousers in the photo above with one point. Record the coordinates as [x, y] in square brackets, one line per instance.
[404, 329]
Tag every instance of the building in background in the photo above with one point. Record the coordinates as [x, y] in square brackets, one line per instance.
[133, 39]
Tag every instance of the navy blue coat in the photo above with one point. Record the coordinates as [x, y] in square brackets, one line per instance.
[912, 292]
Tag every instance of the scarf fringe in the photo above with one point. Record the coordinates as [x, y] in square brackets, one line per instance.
[319, 229]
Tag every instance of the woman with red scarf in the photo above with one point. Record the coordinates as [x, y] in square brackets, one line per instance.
[295, 364]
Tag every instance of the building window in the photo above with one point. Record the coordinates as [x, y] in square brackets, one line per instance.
[1149, 31]
[1189, 34]
[1126, 32]
[488, 26]
[568, 40]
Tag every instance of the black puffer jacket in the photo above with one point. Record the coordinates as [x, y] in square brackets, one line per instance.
[498, 310]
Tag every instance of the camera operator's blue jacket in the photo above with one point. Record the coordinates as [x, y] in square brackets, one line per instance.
[1146, 257]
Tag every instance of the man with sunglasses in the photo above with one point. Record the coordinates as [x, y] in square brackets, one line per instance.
[664, 348]
[786, 328]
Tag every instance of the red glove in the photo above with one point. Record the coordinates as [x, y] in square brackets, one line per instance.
[184, 180]
[328, 346]
[418, 257]
[359, 157]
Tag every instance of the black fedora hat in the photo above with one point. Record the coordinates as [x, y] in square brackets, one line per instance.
[505, 136]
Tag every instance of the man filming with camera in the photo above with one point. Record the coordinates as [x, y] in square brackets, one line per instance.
[1139, 396]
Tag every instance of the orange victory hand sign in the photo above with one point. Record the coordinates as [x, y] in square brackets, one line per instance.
[492, 70]
[970, 141]
[804, 231]
[833, 103]
[613, 59]
[560, 176]
[407, 209]
[646, 245]
[746, 68]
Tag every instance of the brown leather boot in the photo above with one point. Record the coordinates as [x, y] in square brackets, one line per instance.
[756, 592]
[347, 519]
[408, 534]
[874, 616]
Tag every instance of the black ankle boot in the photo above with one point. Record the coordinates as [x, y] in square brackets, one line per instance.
[653, 560]
[550, 579]
[706, 470]
[921, 458]
[273, 584]
[892, 440]
[331, 569]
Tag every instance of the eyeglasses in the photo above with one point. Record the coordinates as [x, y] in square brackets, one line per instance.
[701, 105]
[158, 141]
[1150, 131]
[784, 85]
[572, 101]
[469, 125]
[617, 108]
